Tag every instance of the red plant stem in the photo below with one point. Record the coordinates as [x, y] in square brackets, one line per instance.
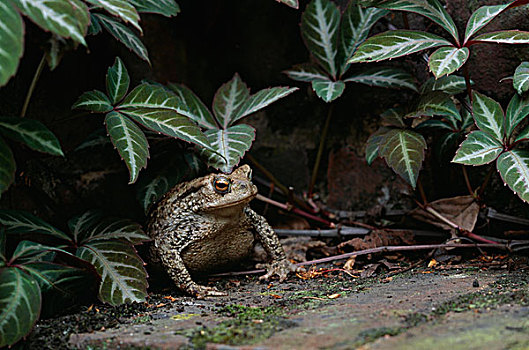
[320, 151]
[377, 250]
[467, 180]
[405, 20]
[421, 192]
[467, 83]
[294, 210]
[485, 182]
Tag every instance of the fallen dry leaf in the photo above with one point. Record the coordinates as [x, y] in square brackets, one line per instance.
[432, 263]
[462, 211]
[334, 296]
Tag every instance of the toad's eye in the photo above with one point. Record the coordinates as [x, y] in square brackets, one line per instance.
[222, 185]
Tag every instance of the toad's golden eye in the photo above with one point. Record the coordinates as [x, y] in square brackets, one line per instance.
[222, 184]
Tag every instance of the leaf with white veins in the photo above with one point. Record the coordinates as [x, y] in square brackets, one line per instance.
[319, 28]
[504, 37]
[481, 17]
[18, 222]
[396, 43]
[11, 40]
[123, 277]
[432, 9]
[93, 101]
[517, 110]
[403, 151]
[118, 81]
[153, 191]
[306, 72]
[354, 29]
[328, 90]
[56, 16]
[387, 77]
[124, 34]
[232, 143]
[513, 167]
[166, 8]
[32, 133]
[451, 84]
[192, 107]
[437, 103]
[130, 142]
[20, 302]
[488, 115]
[446, 60]
[478, 148]
[521, 78]
[228, 100]
[260, 100]
[120, 8]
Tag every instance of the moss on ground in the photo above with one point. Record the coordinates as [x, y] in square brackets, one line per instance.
[246, 325]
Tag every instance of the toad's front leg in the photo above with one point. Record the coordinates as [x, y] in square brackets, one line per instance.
[279, 265]
[174, 265]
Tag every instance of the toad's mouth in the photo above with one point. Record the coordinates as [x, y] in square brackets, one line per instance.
[244, 200]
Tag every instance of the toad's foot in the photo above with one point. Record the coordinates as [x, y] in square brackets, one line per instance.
[200, 292]
[281, 268]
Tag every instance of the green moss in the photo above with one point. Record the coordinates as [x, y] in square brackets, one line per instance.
[246, 325]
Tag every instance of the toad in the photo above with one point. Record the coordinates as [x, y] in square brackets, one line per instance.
[206, 224]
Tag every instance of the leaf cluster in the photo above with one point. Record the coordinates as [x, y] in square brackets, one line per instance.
[73, 20]
[332, 38]
[95, 246]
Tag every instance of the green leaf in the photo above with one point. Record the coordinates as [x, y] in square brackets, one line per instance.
[488, 115]
[438, 103]
[56, 278]
[328, 90]
[478, 148]
[306, 72]
[319, 28]
[228, 100]
[291, 3]
[93, 101]
[11, 40]
[523, 135]
[231, 143]
[32, 133]
[481, 17]
[354, 29]
[118, 81]
[166, 8]
[150, 96]
[392, 117]
[446, 60]
[130, 142]
[451, 84]
[123, 278]
[92, 226]
[57, 16]
[521, 78]
[20, 302]
[28, 251]
[517, 110]
[513, 167]
[384, 77]
[504, 37]
[7, 166]
[396, 43]
[373, 144]
[152, 192]
[192, 107]
[95, 26]
[260, 100]
[18, 221]
[446, 146]
[124, 34]
[120, 8]
[403, 151]
[168, 123]
[431, 9]
[435, 125]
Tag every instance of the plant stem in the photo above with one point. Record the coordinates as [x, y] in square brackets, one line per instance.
[294, 210]
[320, 151]
[421, 193]
[268, 174]
[379, 250]
[467, 180]
[485, 182]
[36, 77]
[405, 20]
[467, 83]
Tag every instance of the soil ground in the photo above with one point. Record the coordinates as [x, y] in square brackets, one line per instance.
[451, 308]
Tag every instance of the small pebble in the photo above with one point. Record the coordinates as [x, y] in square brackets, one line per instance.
[475, 284]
